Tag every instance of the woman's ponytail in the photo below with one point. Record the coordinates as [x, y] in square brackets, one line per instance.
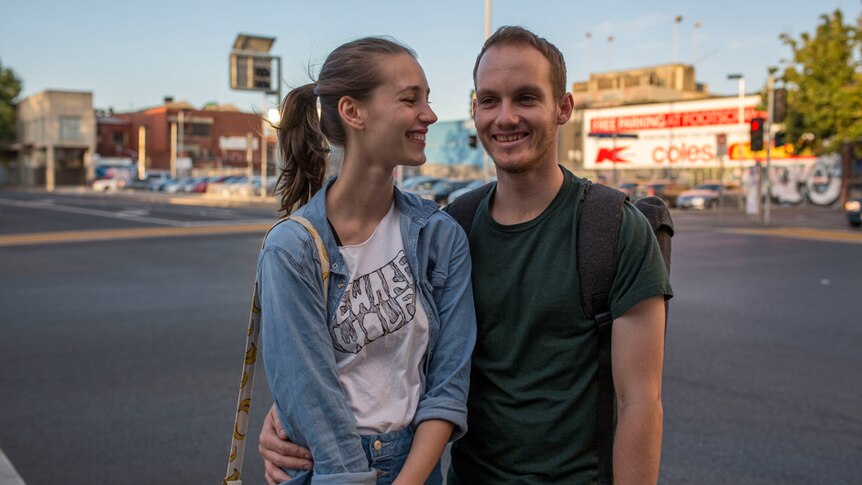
[304, 149]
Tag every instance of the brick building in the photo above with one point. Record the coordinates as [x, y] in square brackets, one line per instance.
[209, 139]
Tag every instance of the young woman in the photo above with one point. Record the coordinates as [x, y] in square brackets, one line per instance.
[373, 378]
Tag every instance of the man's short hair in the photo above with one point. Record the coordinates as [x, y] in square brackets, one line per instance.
[513, 35]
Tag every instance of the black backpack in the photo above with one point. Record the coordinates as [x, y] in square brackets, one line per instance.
[598, 228]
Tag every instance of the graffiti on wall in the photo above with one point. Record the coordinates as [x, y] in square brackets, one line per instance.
[817, 182]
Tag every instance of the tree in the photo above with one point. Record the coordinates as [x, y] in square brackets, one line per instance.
[10, 88]
[824, 85]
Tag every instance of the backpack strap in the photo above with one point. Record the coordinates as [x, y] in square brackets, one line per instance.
[464, 208]
[240, 425]
[598, 229]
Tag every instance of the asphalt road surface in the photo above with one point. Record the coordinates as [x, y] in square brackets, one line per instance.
[121, 350]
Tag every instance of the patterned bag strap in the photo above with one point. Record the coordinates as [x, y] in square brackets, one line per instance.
[240, 425]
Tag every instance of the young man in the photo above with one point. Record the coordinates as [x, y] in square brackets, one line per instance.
[533, 395]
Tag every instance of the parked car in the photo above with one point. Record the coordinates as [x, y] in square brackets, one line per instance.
[420, 182]
[629, 188]
[439, 191]
[463, 190]
[853, 208]
[221, 185]
[109, 184]
[151, 179]
[706, 196]
[161, 185]
[200, 186]
[666, 189]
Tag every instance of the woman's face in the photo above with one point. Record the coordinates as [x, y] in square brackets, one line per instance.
[397, 114]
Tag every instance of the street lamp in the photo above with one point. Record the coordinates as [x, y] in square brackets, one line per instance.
[741, 84]
[610, 40]
[694, 42]
[589, 54]
[676, 21]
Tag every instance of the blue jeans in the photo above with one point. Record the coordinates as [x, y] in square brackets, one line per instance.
[387, 453]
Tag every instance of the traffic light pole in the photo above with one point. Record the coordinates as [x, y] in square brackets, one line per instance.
[770, 86]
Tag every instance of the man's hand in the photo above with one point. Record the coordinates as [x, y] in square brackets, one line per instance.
[278, 451]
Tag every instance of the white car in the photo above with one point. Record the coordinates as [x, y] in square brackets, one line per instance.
[109, 184]
[706, 196]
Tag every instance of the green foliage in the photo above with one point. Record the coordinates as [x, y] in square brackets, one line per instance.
[10, 88]
[824, 81]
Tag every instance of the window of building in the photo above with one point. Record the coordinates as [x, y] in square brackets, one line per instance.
[606, 83]
[119, 138]
[199, 129]
[70, 128]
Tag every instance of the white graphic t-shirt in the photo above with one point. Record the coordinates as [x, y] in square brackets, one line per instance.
[380, 332]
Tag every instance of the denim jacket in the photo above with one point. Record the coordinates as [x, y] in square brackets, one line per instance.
[297, 349]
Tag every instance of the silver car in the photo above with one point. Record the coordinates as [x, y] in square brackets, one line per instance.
[706, 196]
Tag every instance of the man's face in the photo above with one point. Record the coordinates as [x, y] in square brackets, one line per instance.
[515, 110]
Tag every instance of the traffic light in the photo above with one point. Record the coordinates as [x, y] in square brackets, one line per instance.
[779, 139]
[473, 141]
[756, 134]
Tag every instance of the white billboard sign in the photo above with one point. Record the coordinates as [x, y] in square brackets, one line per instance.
[681, 134]
[235, 143]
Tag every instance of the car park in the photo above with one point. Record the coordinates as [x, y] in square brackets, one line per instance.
[708, 196]
[853, 209]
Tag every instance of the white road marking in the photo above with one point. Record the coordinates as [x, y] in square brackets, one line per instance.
[129, 214]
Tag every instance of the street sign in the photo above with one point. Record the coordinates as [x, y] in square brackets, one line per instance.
[251, 72]
[721, 144]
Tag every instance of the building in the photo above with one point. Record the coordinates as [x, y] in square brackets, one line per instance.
[662, 83]
[667, 82]
[208, 139]
[452, 150]
[56, 138]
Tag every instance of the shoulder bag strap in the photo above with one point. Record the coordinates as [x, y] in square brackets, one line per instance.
[240, 425]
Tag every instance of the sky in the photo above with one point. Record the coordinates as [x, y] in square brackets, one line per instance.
[131, 55]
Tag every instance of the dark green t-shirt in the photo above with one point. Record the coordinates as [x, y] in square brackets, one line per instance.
[533, 397]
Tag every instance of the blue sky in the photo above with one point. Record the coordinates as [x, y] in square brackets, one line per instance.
[132, 54]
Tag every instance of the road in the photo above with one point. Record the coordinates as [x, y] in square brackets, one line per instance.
[121, 349]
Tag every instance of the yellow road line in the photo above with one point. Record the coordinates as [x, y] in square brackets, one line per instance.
[802, 233]
[130, 233]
